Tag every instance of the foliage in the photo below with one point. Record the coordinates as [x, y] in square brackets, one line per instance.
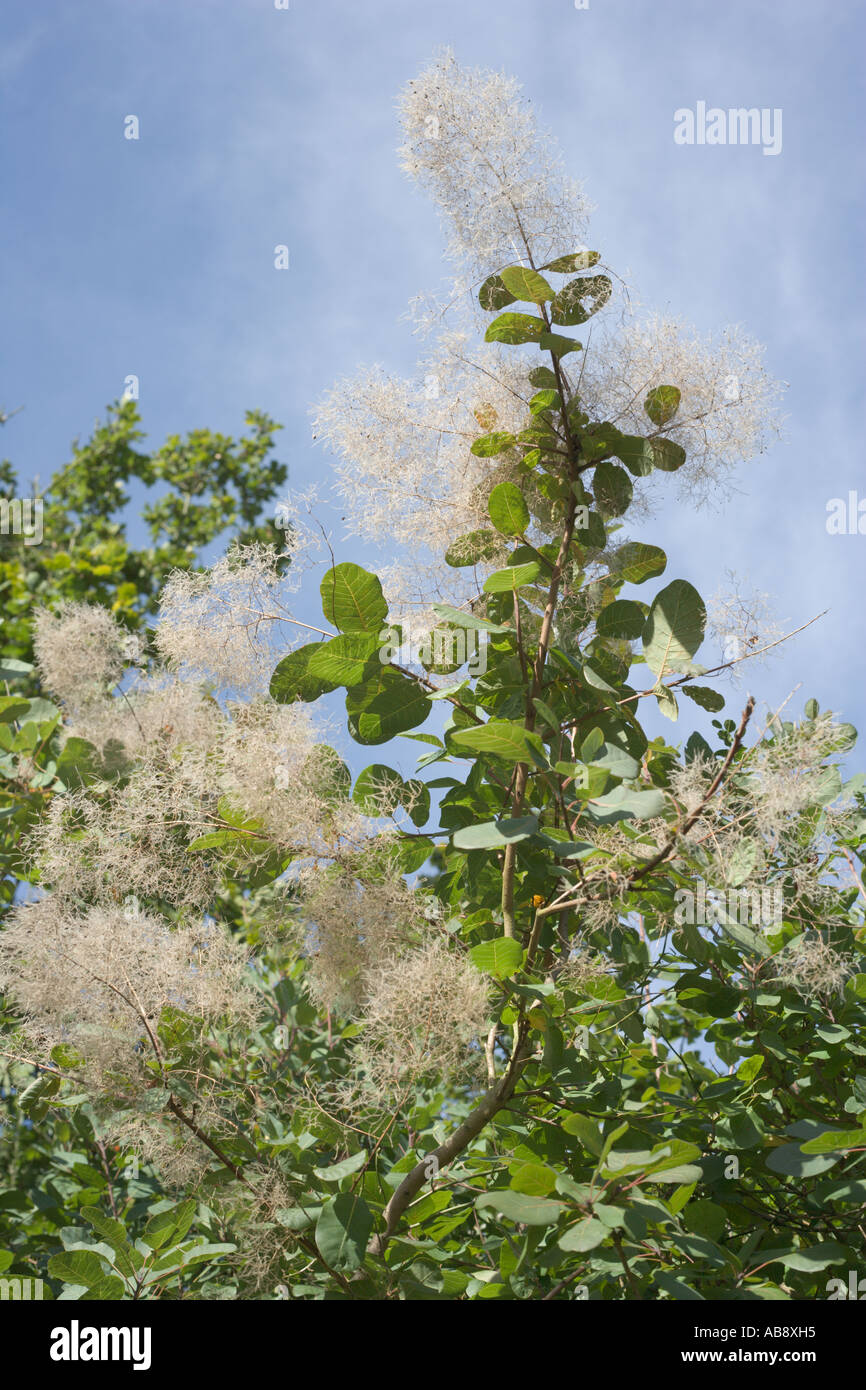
[569, 1013]
[53, 1162]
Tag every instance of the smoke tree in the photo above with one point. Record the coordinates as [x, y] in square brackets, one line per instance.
[570, 1012]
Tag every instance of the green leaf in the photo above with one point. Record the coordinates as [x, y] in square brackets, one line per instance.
[788, 1159]
[297, 1218]
[11, 670]
[623, 618]
[591, 534]
[169, 1225]
[835, 1141]
[670, 1155]
[749, 1067]
[544, 379]
[41, 711]
[493, 834]
[344, 1226]
[352, 599]
[580, 299]
[515, 328]
[386, 706]
[347, 660]
[500, 957]
[548, 715]
[467, 620]
[683, 1173]
[578, 260]
[705, 696]
[516, 1206]
[705, 1218]
[674, 629]
[624, 804]
[545, 400]
[490, 444]
[493, 295]
[584, 1235]
[12, 709]
[741, 863]
[559, 344]
[667, 456]
[526, 284]
[77, 1267]
[474, 548]
[586, 1130]
[379, 790]
[109, 1289]
[114, 1234]
[610, 1140]
[636, 562]
[675, 1288]
[511, 578]
[636, 453]
[36, 1097]
[337, 1171]
[662, 404]
[503, 737]
[611, 488]
[508, 510]
[534, 1179]
[667, 702]
[65, 1055]
[615, 760]
[744, 936]
[815, 1257]
[292, 680]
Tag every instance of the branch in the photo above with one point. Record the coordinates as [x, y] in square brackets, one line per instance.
[494, 1100]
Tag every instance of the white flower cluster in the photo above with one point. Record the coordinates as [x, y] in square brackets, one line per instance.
[404, 465]
[474, 145]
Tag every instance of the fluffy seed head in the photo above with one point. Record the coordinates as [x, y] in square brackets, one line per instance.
[81, 652]
[424, 1012]
[474, 145]
[100, 980]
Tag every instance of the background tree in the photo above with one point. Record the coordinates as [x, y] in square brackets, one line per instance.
[200, 488]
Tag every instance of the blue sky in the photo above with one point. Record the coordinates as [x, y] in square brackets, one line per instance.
[262, 126]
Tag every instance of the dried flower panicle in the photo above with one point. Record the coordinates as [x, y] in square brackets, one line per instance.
[813, 968]
[742, 623]
[217, 625]
[353, 927]
[423, 1017]
[82, 651]
[403, 447]
[728, 411]
[474, 145]
[99, 980]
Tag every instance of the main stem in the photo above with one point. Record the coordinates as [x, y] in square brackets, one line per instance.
[535, 684]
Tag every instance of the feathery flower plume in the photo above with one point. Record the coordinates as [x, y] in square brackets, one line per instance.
[81, 652]
[352, 928]
[99, 981]
[473, 144]
[728, 410]
[741, 621]
[813, 968]
[423, 1016]
[403, 446]
[216, 625]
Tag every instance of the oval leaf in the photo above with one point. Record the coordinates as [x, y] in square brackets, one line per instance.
[508, 510]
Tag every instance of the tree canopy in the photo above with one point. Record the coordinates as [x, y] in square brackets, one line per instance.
[563, 1010]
